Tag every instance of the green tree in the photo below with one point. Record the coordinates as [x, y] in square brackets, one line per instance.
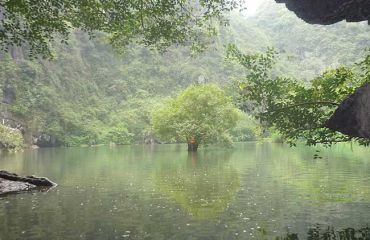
[298, 110]
[201, 114]
[35, 23]
[10, 138]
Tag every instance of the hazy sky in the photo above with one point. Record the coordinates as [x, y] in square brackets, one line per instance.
[252, 6]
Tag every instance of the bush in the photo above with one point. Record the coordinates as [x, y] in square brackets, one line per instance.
[10, 138]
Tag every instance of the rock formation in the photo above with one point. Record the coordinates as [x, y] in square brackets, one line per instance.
[352, 117]
[10, 182]
[7, 187]
[329, 11]
[45, 140]
[37, 181]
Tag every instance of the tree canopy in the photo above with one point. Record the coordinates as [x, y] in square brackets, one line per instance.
[36, 23]
[298, 110]
[203, 112]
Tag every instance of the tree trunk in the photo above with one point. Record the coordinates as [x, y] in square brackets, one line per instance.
[192, 147]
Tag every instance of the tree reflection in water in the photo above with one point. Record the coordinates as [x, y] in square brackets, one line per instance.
[202, 184]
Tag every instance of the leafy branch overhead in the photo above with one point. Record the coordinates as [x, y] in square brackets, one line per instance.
[154, 23]
[297, 109]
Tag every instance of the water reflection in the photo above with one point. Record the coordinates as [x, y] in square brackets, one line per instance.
[254, 191]
[342, 175]
[204, 184]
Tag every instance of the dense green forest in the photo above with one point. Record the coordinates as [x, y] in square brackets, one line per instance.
[90, 95]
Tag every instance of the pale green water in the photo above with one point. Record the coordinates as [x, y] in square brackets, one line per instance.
[254, 191]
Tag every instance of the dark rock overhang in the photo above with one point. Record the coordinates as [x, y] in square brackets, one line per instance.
[352, 117]
[327, 12]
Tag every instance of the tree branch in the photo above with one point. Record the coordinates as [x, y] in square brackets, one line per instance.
[310, 128]
[330, 141]
[303, 104]
[141, 14]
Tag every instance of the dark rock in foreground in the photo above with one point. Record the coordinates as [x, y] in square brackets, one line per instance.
[10, 182]
[353, 116]
[7, 186]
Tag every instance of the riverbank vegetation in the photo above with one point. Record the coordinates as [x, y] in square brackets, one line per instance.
[10, 138]
[88, 94]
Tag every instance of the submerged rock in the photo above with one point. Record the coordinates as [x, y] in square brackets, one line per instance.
[10, 182]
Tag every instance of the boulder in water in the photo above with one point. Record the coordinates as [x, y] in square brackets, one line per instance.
[11, 182]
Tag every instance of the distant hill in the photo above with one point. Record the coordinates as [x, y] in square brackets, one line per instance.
[90, 95]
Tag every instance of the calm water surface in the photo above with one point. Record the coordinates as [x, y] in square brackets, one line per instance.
[253, 191]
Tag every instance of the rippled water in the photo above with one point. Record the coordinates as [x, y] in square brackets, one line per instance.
[253, 191]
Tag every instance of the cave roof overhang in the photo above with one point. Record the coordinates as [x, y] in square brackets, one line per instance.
[327, 12]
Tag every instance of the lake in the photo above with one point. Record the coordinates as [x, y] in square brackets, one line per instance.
[252, 191]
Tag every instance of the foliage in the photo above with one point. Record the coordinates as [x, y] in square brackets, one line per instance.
[88, 93]
[247, 129]
[306, 50]
[296, 109]
[10, 138]
[200, 111]
[152, 23]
